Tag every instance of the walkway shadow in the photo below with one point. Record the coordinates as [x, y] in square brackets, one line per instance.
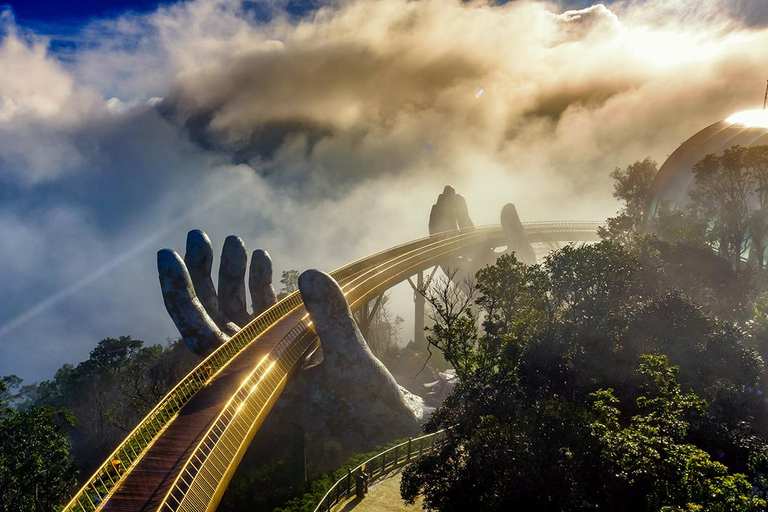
[350, 505]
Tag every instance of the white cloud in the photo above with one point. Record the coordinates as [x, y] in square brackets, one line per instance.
[323, 139]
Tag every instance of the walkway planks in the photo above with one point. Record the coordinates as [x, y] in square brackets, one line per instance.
[146, 485]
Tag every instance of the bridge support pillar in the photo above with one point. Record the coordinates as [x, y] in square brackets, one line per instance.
[420, 303]
[365, 318]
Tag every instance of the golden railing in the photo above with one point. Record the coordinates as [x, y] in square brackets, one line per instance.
[231, 432]
[92, 495]
[381, 464]
[563, 226]
[104, 480]
[128, 453]
[202, 480]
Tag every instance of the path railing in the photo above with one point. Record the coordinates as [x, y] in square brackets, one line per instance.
[381, 464]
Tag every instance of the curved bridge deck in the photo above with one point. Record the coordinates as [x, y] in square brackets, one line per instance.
[147, 484]
[182, 455]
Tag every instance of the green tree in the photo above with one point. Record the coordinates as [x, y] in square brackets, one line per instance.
[681, 227]
[728, 207]
[649, 457]
[110, 391]
[290, 281]
[7, 384]
[723, 185]
[520, 417]
[112, 354]
[454, 332]
[631, 186]
[36, 469]
[150, 373]
[756, 161]
[380, 327]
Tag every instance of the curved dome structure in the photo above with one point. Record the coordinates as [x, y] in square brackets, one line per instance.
[671, 184]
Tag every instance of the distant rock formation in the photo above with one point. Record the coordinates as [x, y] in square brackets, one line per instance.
[450, 214]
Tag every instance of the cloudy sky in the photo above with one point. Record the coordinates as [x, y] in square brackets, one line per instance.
[320, 132]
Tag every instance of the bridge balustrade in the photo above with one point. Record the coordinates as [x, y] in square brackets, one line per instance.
[108, 476]
[381, 464]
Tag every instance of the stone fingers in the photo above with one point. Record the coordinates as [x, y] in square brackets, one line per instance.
[234, 258]
[449, 213]
[197, 328]
[515, 233]
[203, 316]
[461, 212]
[199, 261]
[260, 282]
[351, 380]
[338, 332]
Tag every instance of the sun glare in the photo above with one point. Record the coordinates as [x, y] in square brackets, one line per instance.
[665, 48]
[750, 118]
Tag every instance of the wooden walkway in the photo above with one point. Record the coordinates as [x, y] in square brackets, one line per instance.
[146, 485]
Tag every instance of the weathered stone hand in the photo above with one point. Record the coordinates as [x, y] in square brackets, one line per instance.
[350, 399]
[204, 317]
[517, 241]
[450, 214]
[348, 402]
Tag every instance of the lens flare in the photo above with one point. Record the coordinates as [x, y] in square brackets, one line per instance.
[668, 48]
[750, 118]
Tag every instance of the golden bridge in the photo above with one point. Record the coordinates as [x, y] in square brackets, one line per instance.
[181, 456]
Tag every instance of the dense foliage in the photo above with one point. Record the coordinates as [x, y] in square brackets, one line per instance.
[631, 186]
[552, 411]
[727, 207]
[36, 469]
[111, 391]
[648, 461]
[624, 375]
[50, 432]
[290, 281]
[528, 430]
[731, 193]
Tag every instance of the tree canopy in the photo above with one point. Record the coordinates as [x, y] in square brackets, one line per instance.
[36, 469]
[631, 186]
[550, 406]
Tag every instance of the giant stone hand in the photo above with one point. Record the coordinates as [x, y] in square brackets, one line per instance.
[350, 399]
[450, 214]
[205, 318]
[516, 238]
